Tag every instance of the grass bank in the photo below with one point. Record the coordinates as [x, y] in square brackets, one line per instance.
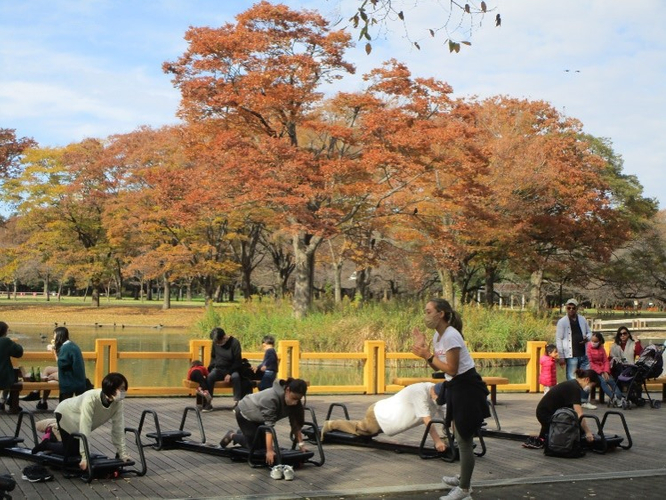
[328, 328]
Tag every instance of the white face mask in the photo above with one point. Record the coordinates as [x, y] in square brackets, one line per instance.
[431, 322]
[595, 344]
[120, 395]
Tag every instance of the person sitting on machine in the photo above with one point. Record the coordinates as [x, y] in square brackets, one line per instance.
[414, 405]
[84, 413]
[266, 408]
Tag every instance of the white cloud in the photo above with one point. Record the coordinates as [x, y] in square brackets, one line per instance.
[73, 69]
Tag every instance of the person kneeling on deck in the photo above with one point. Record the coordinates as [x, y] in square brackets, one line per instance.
[87, 412]
[411, 406]
[266, 408]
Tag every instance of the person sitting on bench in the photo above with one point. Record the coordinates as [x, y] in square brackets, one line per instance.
[226, 361]
[87, 412]
[266, 408]
[414, 405]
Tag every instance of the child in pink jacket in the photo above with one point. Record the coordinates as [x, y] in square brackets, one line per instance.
[548, 375]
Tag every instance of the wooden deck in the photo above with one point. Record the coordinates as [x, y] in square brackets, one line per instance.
[348, 470]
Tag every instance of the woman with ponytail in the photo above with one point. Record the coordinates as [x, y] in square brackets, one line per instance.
[266, 408]
[466, 393]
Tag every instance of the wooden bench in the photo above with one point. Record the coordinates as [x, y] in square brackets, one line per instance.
[36, 386]
[491, 382]
[653, 382]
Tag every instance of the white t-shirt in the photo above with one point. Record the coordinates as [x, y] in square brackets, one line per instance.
[451, 339]
[406, 408]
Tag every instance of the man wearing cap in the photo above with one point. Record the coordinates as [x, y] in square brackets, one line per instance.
[414, 405]
[571, 335]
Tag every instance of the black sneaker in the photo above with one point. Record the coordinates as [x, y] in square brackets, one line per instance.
[42, 405]
[33, 396]
[36, 474]
[534, 442]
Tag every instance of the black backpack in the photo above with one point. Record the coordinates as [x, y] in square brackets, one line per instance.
[564, 435]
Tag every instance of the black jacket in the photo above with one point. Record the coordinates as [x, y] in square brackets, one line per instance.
[466, 402]
[227, 358]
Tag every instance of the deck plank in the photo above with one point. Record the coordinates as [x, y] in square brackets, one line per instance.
[182, 474]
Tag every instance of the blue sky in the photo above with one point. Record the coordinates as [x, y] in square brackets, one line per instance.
[75, 69]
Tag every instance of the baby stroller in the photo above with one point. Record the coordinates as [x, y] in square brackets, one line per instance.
[649, 365]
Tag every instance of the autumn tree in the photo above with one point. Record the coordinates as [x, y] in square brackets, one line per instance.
[60, 197]
[173, 212]
[11, 150]
[256, 81]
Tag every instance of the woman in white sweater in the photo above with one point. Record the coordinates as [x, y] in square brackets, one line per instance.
[91, 409]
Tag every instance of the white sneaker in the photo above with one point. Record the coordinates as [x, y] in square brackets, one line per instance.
[288, 472]
[458, 494]
[588, 406]
[451, 480]
[276, 472]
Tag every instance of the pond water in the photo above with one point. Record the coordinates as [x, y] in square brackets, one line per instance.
[153, 373]
[140, 372]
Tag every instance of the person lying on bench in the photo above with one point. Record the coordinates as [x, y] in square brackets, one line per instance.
[414, 405]
[266, 408]
[87, 412]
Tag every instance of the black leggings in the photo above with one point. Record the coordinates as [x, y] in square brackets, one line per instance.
[198, 377]
[248, 432]
[69, 443]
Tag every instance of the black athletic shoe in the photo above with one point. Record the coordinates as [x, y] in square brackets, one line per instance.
[534, 442]
[36, 474]
[42, 405]
[33, 396]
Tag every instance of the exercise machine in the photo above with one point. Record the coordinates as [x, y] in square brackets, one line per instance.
[255, 456]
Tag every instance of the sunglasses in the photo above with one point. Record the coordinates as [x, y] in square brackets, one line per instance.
[624, 333]
[572, 307]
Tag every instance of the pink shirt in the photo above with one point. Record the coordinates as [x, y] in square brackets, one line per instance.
[548, 375]
[598, 359]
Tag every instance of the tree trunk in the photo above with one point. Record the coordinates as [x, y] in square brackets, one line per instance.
[46, 288]
[94, 296]
[304, 255]
[119, 285]
[337, 274]
[15, 289]
[363, 278]
[536, 279]
[490, 285]
[448, 292]
[166, 304]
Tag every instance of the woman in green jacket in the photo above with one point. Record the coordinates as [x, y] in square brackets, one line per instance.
[71, 368]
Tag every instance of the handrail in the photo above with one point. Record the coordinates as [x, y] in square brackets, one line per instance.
[373, 357]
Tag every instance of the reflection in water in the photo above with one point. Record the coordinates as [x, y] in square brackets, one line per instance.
[139, 372]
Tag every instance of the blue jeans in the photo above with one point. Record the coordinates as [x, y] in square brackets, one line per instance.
[610, 388]
[267, 380]
[572, 365]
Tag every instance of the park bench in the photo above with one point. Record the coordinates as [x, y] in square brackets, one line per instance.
[36, 386]
[651, 384]
[491, 382]
[220, 384]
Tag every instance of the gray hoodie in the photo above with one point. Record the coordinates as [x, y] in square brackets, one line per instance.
[266, 406]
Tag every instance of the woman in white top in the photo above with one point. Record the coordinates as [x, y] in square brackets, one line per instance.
[466, 393]
[91, 409]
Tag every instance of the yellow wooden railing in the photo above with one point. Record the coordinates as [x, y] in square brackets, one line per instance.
[374, 358]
